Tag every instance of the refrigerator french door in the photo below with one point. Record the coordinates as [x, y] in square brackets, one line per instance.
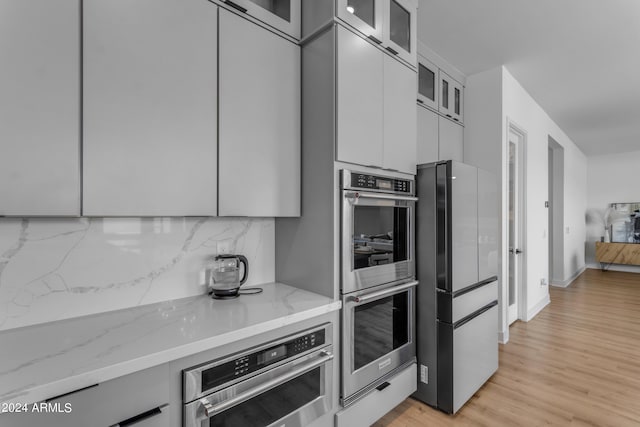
[456, 266]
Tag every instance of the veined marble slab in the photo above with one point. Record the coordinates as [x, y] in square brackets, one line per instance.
[58, 268]
[42, 361]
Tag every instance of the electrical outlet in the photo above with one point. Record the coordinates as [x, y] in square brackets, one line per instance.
[424, 374]
[543, 282]
[224, 246]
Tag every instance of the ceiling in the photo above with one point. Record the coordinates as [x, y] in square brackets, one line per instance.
[579, 59]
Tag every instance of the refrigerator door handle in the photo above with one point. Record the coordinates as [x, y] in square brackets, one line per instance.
[475, 314]
[474, 286]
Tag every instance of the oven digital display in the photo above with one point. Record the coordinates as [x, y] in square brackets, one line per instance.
[383, 184]
[272, 355]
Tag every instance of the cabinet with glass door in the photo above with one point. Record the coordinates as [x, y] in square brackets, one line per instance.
[389, 23]
[451, 98]
[283, 15]
[427, 84]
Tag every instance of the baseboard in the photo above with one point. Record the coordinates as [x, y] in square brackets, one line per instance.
[503, 337]
[565, 283]
[533, 311]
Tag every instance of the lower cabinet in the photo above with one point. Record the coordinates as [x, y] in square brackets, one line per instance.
[376, 404]
[141, 397]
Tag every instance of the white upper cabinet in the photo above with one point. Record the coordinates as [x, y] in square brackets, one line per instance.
[428, 138]
[150, 108]
[360, 99]
[40, 108]
[428, 84]
[283, 15]
[376, 115]
[400, 35]
[450, 140]
[451, 98]
[259, 133]
[389, 23]
[365, 16]
[400, 119]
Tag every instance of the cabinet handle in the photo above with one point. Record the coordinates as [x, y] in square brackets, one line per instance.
[141, 417]
[393, 51]
[236, 6]
[373, 39]
[449, 115]
[420, 101]
[383, 386]
[456, 119]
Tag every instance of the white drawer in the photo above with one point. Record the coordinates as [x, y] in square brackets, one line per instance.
[376, 404]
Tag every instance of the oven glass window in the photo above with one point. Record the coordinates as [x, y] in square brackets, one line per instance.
[380, 235]
[273, 404]
[380, 327]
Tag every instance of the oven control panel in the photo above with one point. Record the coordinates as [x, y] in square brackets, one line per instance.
[357, 180]
[216, 376]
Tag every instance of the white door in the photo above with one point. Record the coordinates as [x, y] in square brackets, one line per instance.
[515, 236]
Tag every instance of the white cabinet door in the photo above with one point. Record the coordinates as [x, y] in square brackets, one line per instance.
[39, 107]
[400, 117]
[428, 84]
[259, 172]
[451, 97]
[457, 96]
[450, 140]
[359, 100]
[427, 135]
[283, 15]
[366, 16]
[150, 107]
[145, 394]
[401, 29]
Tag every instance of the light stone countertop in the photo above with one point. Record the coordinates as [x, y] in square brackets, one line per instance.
[42, 361]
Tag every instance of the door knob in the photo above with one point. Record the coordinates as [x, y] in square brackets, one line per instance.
[518, 251]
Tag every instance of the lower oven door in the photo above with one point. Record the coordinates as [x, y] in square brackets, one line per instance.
[378, 337]
[291, 395]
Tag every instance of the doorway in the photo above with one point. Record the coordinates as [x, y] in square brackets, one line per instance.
[556, 212]
[516, 296]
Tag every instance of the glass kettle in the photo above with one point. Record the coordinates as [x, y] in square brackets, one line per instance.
[225, 280]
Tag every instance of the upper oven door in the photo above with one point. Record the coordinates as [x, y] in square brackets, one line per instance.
[378, 336]
[377, 239]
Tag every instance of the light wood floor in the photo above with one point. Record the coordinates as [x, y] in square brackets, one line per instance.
[577, 363]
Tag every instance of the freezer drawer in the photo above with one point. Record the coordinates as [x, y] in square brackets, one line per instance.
[455, 307]
[468, 356]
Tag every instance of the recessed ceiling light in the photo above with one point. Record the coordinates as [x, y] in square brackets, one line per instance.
[350, 9]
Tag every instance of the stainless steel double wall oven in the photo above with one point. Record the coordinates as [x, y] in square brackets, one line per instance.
[378, 280]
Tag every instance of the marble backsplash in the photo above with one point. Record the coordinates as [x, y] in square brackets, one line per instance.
[58, 268]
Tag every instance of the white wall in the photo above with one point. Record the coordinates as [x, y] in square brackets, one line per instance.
[493, 98]
[611, 178]
[521, 108]
[58, 268]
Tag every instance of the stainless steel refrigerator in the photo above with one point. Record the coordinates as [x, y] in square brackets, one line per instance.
[457, 295]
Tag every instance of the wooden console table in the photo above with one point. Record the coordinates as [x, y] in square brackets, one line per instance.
[617, 253]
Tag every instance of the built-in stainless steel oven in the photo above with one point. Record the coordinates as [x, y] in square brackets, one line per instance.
[378, 337]
[286, 382]
[377, 230]
[378, 280]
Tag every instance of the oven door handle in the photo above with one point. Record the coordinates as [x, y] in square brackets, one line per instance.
[210, 409]
[390, 291]
[355, 195]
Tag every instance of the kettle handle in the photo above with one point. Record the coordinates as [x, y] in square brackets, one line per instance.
[243, 259]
